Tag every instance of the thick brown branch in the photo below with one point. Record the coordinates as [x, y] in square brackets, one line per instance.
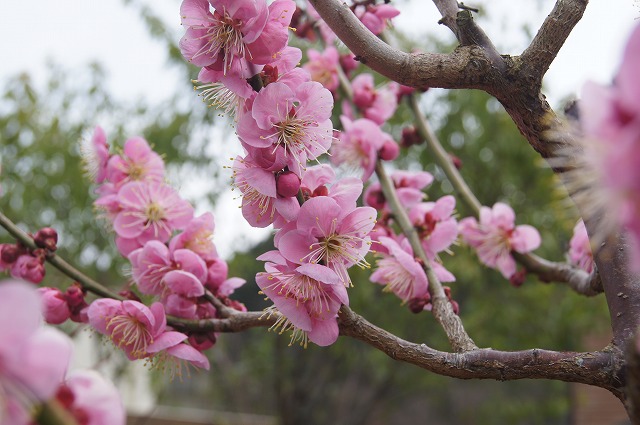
[465, 67]
[593, 368]
[551, 36]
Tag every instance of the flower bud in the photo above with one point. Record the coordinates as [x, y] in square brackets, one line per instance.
[375, 199]
[9, 253]
[416, 305]
[389, 151]
[410, 137]
[457, 162]
[320, 191]
[287, 184]
[46, 237]
[55, 309]
[517, 279]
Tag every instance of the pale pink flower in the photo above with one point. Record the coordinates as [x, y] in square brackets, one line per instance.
[328, 234]
[55, 309]
[580, 253]
[237, 30]
[496, 235]
[610, 118]
[308, 296]
[150, 211]
[376, 16]
[358, 145]
[141, 331]
[294, 119]
[197, 237]
[138, 162]
[408, 185]
[95, 155]
[323, 67]
[91, 399]
[33, 359]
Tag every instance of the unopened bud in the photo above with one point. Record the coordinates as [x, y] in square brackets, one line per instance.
[287, 184]
[457, 162]
[416, 305]
[47, 238]
[410, 137]
[9, 253]
[320, 191]
[389, 151]
[129, 294]
[517, 279]
[376, 199]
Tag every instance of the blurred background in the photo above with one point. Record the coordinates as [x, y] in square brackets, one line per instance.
[70, 65]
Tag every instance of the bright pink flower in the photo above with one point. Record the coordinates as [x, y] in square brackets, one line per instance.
[308, 296]
[29, 267]
[400, 272]
[376, 17]
[328, 234]
[261, 203]
[140, 331]
[150, 211]
[378, 105]
[295, 119]
[610, 117]
[359, 144]
[437, 229]
[91, 399]
[237, 30]
[33, 359]
[95, 155]
[323, 67]
[138, 162]
[580, 253]
[496, 235]
[408, 185]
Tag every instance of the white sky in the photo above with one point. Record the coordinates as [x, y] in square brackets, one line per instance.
[76, 32]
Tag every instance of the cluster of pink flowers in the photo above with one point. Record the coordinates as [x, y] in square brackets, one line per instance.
[610, 118]
[34, 362]
[495, 236]
[172, 255]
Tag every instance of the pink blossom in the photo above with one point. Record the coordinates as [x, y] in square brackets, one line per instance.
[261, 203]
[378, 105]
[400, 272]
[237, 30]
[408, 185]
[328, 234]
[33, 359]
[91, 399]
[29, 267]
[610, 117]
[138, 162]
[157, 270]
[496, 235]
[435, 225]
[197, 237]
[95, 155]
[150, 211]
[580, 253]
[323, 67]
[140, 331]
[376, 17]
[358, 145]
[295, 119]
[309, 296]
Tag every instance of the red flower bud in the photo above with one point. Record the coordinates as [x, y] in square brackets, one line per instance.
[389, 151]
[287, 184]
[47, 238]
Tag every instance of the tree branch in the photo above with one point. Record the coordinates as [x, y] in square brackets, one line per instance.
[593, 368]
[551, 36]
[442, 310]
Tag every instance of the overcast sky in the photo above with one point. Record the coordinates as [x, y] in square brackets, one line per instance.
[76, 32]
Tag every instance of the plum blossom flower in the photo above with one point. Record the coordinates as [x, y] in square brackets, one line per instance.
[496, 235]
[237, 30]
[358, 145]
[138, 162]
[91, 399]
[150, 211]
[435, 225]
[580, 253]
[33, 359]
[610, 119]
[323, 67]
[197, 237]
[330, 235]
[141, 331]
[296, 120]
[95, 155]
[408, 185]
[378, 105]
[308, 296]
[376, 16]
[400, 272]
